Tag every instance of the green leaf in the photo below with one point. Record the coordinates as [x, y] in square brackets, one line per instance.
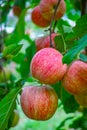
[83, 57]
[25, 60]
[12, 49]
[70, 105]
[60, 43]
[6, 106]
[79, 30]
[74, 51]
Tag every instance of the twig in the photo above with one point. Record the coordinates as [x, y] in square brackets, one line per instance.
[84, 11]
[52, 22]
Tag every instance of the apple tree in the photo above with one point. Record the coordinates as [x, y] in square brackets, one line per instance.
[43, 61]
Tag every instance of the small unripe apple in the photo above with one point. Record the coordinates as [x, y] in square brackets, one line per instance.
[47, 8]
[81, 99]
[16, 10]
[44, 42]
[47, 66]
[14, 119]
[38, 19]
[75, 79]
[39, 102]
[5, 74]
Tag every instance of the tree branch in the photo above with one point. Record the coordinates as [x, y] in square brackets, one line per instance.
[52, 22]
[84, 11]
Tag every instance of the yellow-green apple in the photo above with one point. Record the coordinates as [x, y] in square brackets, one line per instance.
[39, 102]
[44, 42]
[14, 119]
[47, 66]
[5, 74]
[38, 19]
[81, 99]
[75, 79]
[47, 8]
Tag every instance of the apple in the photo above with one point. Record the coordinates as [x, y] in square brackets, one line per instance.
[39, 102]
[47, 8]
[44, 42]
[14, 119]
[81, 99]
[5, 74]
[38, 19]
[75, 79]
[47, 66]
[16, 10]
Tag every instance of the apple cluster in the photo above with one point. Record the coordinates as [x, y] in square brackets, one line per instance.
[42, 13]
[41, 102]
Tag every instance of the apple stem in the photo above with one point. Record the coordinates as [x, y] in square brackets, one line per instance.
[50, 29]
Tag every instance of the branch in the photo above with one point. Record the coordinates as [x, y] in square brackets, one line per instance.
[52, 22]
[83, 7]
[84, 11]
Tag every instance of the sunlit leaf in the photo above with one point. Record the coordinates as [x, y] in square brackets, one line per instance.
[6, 106]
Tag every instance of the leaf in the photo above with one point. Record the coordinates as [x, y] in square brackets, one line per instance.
[25, 60]
[6, 106]
[79, 30]
[60, 44]
[12, 49]
[83, 57]
[73, 52]
[70, 105]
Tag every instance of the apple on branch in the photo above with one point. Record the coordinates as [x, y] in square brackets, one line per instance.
[75, 79]
[38, 19]
[47, 8]
[47, 66]
[44, 42]
[39, 102]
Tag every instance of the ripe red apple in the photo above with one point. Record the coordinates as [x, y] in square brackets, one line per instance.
[75, 79]
[81, 99]
[16, 10]
[38, 19]
[47, 8]
[44, 42]
[39, 102]
[47, 67]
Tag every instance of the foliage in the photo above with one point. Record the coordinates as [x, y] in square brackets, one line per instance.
[17, 48]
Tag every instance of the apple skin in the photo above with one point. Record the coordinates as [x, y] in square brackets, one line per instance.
[38, 19]
[16, 11]
[44, 42]
[75, 79]
[47, 8]
[39, 102]
[47, 66]
[81, 99]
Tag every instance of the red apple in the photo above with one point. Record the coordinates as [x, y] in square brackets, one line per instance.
[38, 19]
[47, 67]
[44, 42]
[75, 79]
[16, 10]
[81, 99]
[39, 102]
[47, 8]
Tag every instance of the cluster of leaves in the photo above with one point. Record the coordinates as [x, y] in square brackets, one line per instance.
[19, 48]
